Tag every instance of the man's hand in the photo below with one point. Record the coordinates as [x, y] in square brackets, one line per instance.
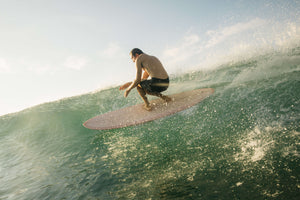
[126, 93]
[126, 85]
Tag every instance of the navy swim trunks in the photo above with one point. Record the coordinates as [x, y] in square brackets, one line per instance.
[155, 85]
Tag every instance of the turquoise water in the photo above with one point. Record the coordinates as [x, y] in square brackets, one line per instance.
[240, 143]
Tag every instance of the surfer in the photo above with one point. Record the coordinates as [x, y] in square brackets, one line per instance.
[152, 67]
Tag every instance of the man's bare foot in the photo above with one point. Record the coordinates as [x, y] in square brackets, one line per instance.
[147, 107]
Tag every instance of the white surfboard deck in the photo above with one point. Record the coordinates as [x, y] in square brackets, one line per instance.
[136, 114]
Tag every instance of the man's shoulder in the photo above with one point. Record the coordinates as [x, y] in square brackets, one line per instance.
[145, 57]
[142, 58]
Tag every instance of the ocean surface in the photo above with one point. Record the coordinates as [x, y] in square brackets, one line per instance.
[242, 142]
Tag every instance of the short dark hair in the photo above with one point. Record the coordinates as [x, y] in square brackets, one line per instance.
[136, 50]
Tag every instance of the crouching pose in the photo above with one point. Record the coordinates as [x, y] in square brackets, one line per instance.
[150, 66]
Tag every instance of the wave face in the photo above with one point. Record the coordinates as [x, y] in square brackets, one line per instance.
[240, 143]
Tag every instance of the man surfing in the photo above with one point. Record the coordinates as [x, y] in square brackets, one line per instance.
[152, 67]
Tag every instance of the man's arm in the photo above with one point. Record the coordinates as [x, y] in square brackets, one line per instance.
[137, 78]
[126, 85]
[145, 75]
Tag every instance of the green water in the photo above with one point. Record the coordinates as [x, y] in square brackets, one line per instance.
[240, 143]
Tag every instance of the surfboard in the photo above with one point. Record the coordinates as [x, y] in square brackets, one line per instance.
[136, 114]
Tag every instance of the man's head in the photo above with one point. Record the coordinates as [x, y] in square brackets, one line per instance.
[134, 54]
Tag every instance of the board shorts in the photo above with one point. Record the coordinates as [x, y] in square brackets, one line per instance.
[155, 85]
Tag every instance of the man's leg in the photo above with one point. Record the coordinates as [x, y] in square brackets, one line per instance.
[143, 95]
[158, 94]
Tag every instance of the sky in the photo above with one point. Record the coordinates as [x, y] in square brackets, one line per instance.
[52, 49]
